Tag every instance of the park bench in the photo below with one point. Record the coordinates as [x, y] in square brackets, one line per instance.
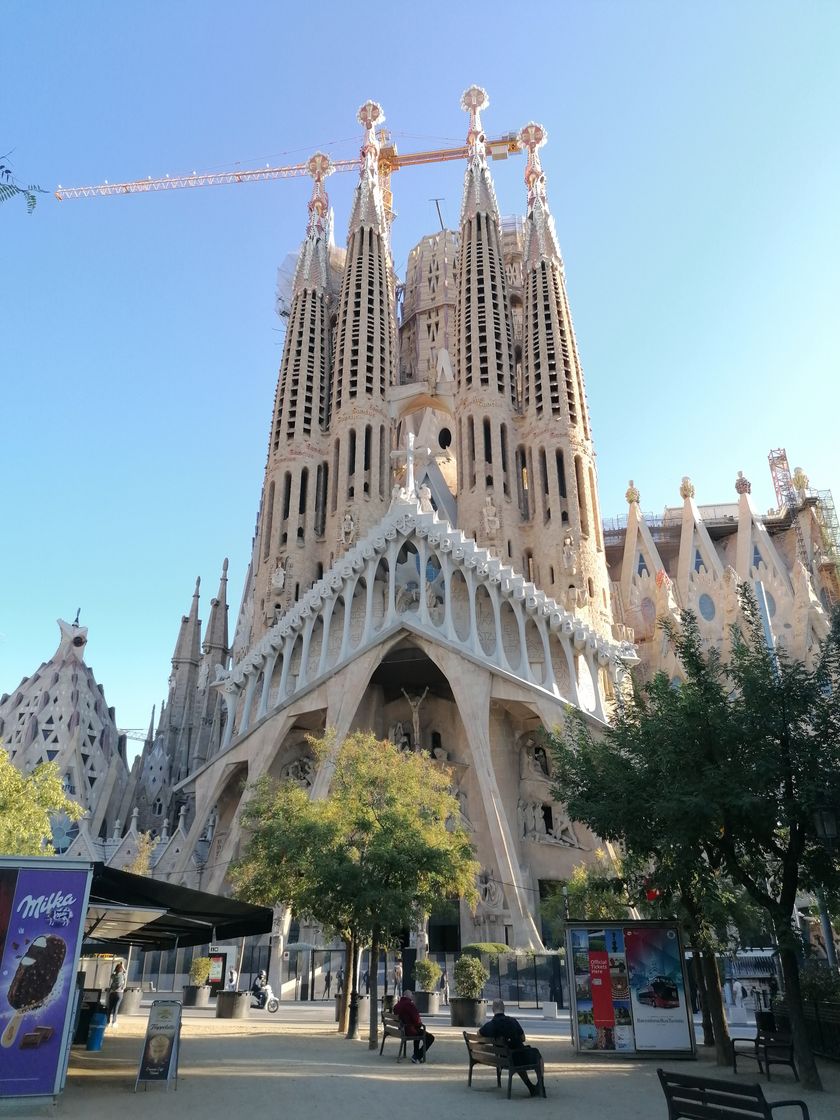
[392, 1027]
[493, 1052]
[769, 1047]
[705, 1098]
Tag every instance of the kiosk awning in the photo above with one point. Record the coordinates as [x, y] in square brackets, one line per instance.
[127, 909]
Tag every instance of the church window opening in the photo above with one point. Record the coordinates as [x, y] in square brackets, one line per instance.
[269, 515]
[444, 438]
[366, 460]
[548, 819]
[757, 558]
[157, 808]
[304, 486]
[561, 473]
[336, 453]
[471, 451]
[287, 494]
[321, 482]
[699, 566]
[581, 489]
[551, 573]
[529, 567]
[591, 588]
[706, 606]
[522, 483]
[641, 567]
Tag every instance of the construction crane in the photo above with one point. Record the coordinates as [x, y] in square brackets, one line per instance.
[390, 160]
[792, 492]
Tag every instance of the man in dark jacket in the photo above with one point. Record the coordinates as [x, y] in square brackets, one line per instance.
[406, 1011]
[507, 1029]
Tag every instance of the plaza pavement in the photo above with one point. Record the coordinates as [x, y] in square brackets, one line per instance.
[295, 1064]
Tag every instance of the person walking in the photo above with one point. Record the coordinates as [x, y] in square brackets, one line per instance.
[116, 991]
[339, 982]
[327, 984]
[232, 978]
[398, 978]
[444, 986]
[366, 981]
[406, 1011]
[509, 1031]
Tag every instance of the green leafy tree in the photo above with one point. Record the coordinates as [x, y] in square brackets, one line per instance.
[142, 862]
[11, 188]
[717, 782]
[366, 861]
[593, 891]
[27, 803]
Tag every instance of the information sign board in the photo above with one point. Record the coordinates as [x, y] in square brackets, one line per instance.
[43, 903]
[161, 1046]
[629, 990]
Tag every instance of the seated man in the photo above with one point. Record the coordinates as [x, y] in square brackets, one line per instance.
[507, 1029]
[259, 989]
[406, 1011]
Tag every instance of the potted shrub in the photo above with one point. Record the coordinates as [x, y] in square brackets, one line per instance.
[426, 976]
[197, 992]
[466, 1007]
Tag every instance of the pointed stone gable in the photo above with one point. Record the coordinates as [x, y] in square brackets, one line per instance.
[416, 572]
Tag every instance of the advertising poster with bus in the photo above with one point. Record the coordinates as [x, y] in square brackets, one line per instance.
[628, 988]
[42, 910]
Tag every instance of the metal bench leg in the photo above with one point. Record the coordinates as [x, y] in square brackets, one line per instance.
[510, 1080]
[469, 1075]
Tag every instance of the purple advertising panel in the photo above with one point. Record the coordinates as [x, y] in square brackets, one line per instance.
[42, 910]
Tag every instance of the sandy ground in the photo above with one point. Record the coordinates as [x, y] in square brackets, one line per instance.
[295, 1063]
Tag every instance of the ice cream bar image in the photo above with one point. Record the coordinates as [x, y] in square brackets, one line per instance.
[34, 980]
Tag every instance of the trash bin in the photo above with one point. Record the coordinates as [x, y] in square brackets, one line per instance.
[131, 1001]
[233, 1005]
[96, 1031]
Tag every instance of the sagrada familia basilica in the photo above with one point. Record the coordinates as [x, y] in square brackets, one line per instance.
[430, 560]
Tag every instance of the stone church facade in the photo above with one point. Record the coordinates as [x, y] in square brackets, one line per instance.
[430, 560]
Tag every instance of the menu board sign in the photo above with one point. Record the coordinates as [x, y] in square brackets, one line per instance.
[159, 1060]
[628, 988]
[42, 908]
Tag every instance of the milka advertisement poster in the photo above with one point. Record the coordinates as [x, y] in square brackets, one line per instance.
[41, 917]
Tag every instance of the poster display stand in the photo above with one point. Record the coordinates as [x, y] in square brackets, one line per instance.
[161, 1046]
[629, 989]
[43, 902]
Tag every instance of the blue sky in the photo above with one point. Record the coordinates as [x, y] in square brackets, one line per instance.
[694, 173]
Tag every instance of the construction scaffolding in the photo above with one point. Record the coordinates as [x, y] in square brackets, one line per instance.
[794, 494]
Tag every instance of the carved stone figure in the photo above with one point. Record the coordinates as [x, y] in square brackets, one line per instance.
[278, 576]
[489, 890]
[347, 535]
[425, 496]
[301, 771]
[414, 703]
[569, 557]
[490, 517]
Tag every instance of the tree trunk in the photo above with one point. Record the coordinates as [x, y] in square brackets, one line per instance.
[353, 985]
[793, 1002]
[342, 1008]
[703, 996]
[714, 995]
[373, 969]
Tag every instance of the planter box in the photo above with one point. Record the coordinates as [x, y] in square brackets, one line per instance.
[467, 1012]
[131, 1001]
[549, 1009]
[196, 996]
[428, 1003]
[233, 1005]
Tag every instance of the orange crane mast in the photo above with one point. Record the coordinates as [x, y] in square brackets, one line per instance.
[390, 160]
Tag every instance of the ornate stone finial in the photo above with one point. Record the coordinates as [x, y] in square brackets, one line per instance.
[686, 488]
[800, 479]
[632, 493]
[473, 100]
[369, 116]
[225, 568]
[532, 137]
[319, 167]
[742, 485]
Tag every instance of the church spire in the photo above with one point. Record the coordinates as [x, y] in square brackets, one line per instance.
[479, 193]
[188, 646]
[368, 207]
[216, 634]
[540, 234]
[312, 271]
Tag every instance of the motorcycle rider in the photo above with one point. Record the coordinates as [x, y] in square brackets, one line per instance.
[259, 989]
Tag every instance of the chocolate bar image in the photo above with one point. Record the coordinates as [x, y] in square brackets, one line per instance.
[30, 1041]
[33, 981]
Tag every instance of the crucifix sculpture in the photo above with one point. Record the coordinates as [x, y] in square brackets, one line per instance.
[414, 703]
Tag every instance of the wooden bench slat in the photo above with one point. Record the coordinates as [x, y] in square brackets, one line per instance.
[706, 1098]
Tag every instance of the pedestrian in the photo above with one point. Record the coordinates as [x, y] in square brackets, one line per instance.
[327, 984]
[508, 1029]
[406, 1011]
[116, 991]
[444, 986]
[232, 978]
[398, 978]
[339, 982]
[366, 981]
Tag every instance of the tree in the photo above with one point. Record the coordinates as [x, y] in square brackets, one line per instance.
[27, 802]
[712, 787]
[142, 862]
[593, 891]
[11, 188]
[372, 857]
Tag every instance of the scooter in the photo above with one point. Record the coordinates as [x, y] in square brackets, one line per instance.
[271, 1004]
